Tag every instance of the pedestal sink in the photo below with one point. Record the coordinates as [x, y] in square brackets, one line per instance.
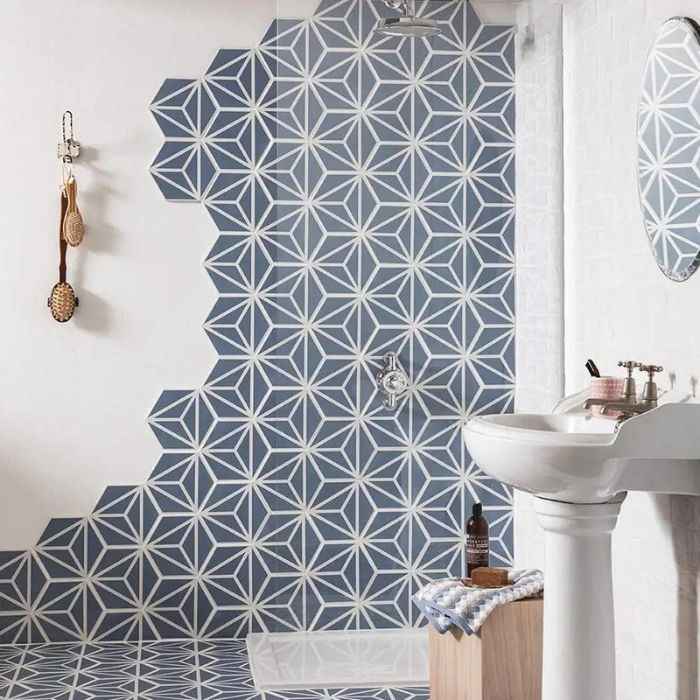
[580, 468]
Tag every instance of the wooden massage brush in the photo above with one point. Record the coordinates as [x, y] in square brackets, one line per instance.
[62, 301]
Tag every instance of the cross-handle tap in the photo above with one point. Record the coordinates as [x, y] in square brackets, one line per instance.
[650, 394]
[648, 400]
[629, 365]
[629, 387]
[628, 405]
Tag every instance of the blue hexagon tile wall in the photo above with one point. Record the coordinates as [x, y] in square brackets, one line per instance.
[363, 187]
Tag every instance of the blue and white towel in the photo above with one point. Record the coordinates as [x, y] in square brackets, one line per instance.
[449, 602]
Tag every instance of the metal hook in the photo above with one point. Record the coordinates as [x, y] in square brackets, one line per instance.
[67, 119]
[69, 149]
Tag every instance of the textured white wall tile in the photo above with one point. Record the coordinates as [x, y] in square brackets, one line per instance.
[539, 241]
[618, 305]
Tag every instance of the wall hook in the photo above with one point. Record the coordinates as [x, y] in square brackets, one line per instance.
[69, 148]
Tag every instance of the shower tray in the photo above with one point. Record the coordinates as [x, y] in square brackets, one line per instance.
[363, 658]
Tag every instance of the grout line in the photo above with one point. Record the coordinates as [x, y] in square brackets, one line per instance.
[78, 669]
[19, 668]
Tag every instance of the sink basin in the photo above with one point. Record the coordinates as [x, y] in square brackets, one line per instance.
[580, 468]
[578, 458]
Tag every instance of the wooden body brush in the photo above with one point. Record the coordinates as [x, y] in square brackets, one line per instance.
[73, 225]
[62, 301]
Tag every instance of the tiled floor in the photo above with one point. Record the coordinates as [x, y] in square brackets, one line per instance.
[155, 670]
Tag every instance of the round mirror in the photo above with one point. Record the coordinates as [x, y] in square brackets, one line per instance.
[668, 161]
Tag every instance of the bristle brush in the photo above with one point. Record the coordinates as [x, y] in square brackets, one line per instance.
[73, 226]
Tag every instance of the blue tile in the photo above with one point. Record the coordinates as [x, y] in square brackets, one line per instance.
[359, 211]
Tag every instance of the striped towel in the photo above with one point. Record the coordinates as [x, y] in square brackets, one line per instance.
[449, 602]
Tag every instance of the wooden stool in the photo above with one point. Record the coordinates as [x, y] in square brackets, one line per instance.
[503, 661]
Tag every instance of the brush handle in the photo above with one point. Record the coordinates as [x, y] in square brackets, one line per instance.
[592, 368]
[72, 194]
[62, 245]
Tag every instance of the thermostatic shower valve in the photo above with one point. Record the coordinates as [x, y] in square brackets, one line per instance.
[392, 381]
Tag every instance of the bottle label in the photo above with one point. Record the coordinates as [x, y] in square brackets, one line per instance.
[477, 550]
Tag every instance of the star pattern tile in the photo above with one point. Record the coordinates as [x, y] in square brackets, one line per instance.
[183, 670]
[363, 189]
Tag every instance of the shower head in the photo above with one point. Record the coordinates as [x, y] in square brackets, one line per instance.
[407, 24]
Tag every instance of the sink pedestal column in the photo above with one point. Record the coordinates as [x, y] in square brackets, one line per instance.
[579, 627]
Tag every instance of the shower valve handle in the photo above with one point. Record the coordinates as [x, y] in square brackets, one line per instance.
[392, 381]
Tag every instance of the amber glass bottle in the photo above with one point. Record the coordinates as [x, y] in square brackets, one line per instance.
[477, 540]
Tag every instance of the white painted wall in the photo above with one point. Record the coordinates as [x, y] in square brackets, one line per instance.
[619, 306]
[74, 397]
